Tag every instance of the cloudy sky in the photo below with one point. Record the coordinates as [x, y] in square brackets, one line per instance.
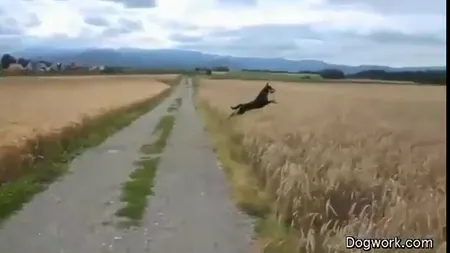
[387, 32]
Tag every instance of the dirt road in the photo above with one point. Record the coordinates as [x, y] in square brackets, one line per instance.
[190, 211]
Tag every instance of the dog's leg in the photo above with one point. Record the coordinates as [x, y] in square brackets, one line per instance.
[236, 107]
[232, 114]
[242, 110]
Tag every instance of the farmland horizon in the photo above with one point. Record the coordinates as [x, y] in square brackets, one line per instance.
[356, 155]
[177, 58]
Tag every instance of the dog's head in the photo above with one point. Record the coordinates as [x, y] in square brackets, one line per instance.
[269, 88]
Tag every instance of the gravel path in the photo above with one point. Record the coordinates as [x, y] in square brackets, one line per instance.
[190, 211]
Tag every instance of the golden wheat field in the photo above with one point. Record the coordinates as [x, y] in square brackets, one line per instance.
[345, 159]
[38, 104]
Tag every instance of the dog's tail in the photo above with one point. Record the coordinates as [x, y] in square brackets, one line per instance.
[236, 107]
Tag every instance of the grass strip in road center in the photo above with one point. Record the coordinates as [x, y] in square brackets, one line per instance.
[136, 190]
[163, 128]
[175, 106]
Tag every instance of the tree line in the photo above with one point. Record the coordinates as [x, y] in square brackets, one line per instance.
[437, 77]
[434, 77]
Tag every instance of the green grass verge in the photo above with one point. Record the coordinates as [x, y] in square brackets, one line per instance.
[135, 192]
[272, 236]
[28, 170]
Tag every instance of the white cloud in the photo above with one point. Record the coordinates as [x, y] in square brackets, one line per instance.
[408, 33]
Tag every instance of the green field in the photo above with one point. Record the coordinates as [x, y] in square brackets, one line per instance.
[295, 77]
[287, 77]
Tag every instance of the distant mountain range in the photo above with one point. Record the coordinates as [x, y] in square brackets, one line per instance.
[181, 59]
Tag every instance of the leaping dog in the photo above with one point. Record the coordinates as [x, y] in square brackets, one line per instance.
[259, 102]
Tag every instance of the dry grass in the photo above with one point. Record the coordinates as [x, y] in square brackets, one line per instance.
[363, 160]
[31, 105]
